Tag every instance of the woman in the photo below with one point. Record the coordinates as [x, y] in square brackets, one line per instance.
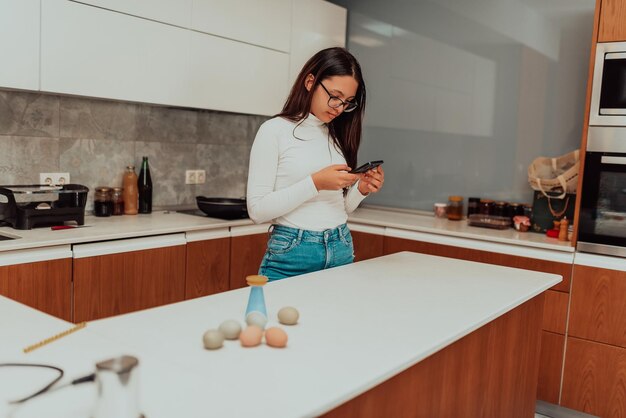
[299, 168]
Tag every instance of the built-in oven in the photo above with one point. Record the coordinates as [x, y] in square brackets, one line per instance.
[602, 218]
[608, 97]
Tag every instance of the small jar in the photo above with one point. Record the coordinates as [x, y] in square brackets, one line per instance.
[455, 208]
[472, 205]
[440, 210]
[103, 205]
[528, 211]
[500, 208]
[118, 201]
[485, 207]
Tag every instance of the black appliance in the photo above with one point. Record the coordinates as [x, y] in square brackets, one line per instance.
[25, 207]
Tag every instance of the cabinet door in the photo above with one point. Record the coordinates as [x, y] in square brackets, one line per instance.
[208, 263]
[555, 311]
[550, 366]
[127, 276]
[394, 245]
[19, 44]
[367, 240]
[612, 21]
[176, 12]
[598, 309]
[265, 23]
[44, 285]
[594, 378]
[90, 51]
[315, 25]
[246, 252]
[237, 77]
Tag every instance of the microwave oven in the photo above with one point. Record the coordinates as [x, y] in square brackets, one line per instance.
[608, 97]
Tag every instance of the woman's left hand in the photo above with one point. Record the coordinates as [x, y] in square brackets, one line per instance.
[372, 181]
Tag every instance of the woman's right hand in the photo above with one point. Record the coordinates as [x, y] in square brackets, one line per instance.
[334, 177]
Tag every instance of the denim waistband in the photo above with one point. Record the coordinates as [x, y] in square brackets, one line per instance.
[339, 232]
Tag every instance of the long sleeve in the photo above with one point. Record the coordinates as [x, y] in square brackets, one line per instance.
[264, 203]
[353, 198]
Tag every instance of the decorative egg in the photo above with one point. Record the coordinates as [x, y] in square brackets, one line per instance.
[251, 336]
[288, 315]
[213, 339]
[276, 337]
[231, 329]
[256, 318]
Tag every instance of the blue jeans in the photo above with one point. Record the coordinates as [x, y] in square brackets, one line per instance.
[291, 252]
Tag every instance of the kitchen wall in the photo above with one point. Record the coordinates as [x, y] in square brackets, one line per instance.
[94, 140]
[464, 94]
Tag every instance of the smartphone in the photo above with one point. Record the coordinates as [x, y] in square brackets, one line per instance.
[366, 167]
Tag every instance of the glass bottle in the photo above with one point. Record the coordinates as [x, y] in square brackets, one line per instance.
[144, 184]
[455, 208]
[130, 194]
[472, 205]
[102, 204]
[118, 201]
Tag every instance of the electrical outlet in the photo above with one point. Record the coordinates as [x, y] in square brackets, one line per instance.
[54, 179]
[190, 177]
[200, 176]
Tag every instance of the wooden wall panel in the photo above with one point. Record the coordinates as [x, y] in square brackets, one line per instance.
[598, 310]
[120, 283]
[366, 245]
[207, 267]
[594, 380]
[394, 245]
[491, 372]
[550, 366]
[612, 21]
[555, 311]
[44, 285]
[246, 254]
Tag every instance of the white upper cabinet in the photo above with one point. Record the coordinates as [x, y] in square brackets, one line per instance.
[90, 51]
[175, 12]
[265, 23]
[316, 25]
[19, 44]
[237, 77]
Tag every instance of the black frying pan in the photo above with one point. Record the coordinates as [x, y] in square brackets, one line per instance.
[222, 207]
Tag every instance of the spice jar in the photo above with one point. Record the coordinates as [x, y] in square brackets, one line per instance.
[440, 210]
[118, 201]
[103, 205]
[455, 208]
[485, 207]
[472, 205]
[500, 208]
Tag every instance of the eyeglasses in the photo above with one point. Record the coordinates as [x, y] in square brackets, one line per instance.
[335, 102]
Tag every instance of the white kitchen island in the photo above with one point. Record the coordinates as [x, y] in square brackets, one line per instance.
[401, 335]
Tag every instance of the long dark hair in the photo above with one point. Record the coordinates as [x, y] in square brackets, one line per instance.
[345, 130]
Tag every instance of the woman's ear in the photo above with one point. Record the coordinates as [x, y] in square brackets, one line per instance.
[308, 82]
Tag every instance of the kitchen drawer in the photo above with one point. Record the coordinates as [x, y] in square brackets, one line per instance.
[555, 311]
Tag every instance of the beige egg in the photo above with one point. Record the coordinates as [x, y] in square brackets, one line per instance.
[213, 339]
[256, 318]
[288, 316]
[231, 329]
[251, 336]
[276, 337]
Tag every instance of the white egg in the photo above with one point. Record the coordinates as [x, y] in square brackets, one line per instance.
[288, 316]
[231, 329]
[256, 318]
[213, 339]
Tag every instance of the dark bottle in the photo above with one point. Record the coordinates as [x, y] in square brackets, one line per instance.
[144, 184]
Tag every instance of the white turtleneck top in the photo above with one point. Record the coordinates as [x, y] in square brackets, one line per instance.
[280, 186]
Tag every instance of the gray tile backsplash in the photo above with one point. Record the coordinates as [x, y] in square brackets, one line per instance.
[94, 140]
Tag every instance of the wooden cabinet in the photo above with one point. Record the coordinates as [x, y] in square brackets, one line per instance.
[247, 247]
[117, 277]
[208, 263]
[550, 366]
[19, 44]
[40, 278]
[367, 241]
[612, 25]
[598, 310]
[594, 378]
[555, 311]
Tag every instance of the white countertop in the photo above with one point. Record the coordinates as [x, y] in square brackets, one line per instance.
[159, 223]
[360, 325]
